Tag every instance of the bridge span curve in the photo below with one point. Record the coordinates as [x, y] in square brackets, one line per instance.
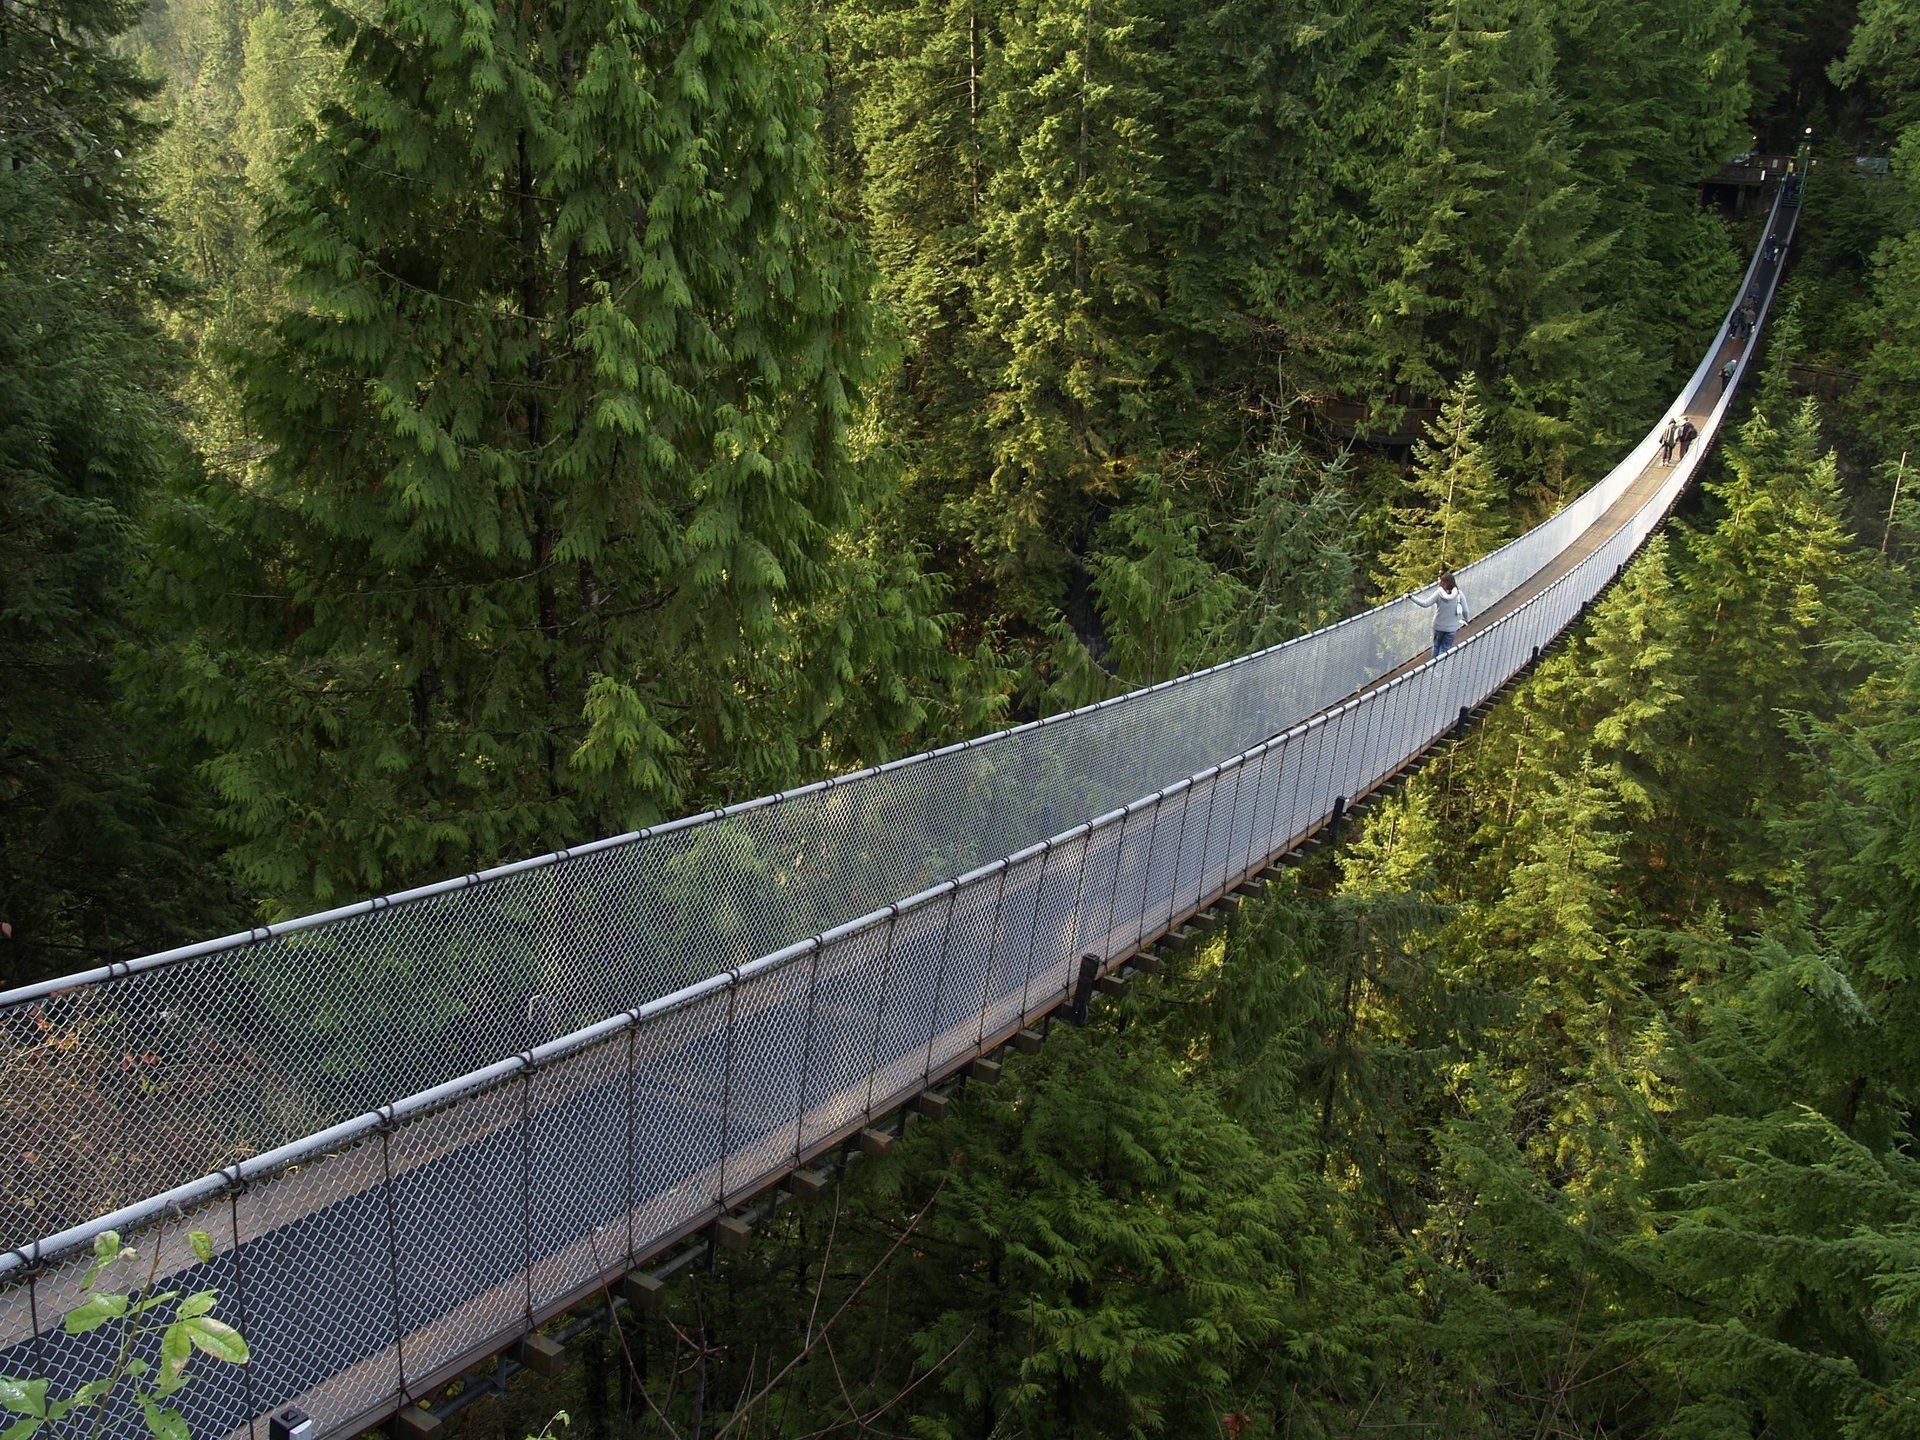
[417, 1127]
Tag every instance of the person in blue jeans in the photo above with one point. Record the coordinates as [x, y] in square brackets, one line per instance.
[1449, 606]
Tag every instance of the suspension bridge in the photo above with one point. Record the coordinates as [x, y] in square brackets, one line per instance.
[418, 1127]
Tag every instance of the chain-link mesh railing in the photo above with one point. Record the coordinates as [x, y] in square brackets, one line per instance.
[376, 1257]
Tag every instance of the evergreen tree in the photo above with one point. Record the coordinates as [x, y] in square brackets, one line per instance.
[923, 78]
[1294, 544]
[1071, 287]
[1456, 510]
[1654, 100]
[1495, 233]
[553, 532]
[97, 852]
[1772, 582]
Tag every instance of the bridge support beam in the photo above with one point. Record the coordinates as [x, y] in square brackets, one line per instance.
[643, 1292]
[541, 1354]
[1083, 988]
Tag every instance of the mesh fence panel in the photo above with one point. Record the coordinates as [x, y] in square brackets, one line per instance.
[320, 1302]
[679, 1113]
[846, 1021]
[196, 1062]
[770, 1053]
[577, 1134]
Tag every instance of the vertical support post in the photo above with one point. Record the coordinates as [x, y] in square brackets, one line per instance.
[393, 1251]
[940, 980]
[633, 1122]
[1146, 866]
[1179, 849]
[1113, 890]
[240, 1288]
[1033, 938]
[726, 1098]
[526, 1183]
[806, 1054]
[1083, 989]
[880, 1010]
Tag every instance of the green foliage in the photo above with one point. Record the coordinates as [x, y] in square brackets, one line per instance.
[1773, 581]
[1495, 232]
[558, 523]
[1454, 512]
[144, 1319]
[1205, 563]
[98, 850]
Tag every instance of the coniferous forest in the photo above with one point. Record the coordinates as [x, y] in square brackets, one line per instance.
[435, 432]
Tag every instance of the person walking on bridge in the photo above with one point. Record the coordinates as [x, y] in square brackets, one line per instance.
[1449, 606]
[1726, 374]
[1687, 436]
[1667, 437]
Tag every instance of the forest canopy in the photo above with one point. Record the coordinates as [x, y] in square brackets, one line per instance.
[436, 433]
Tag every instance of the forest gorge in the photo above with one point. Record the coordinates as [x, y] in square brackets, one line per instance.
[433, 432]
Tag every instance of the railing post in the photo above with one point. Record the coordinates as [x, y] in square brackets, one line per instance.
[1113, 890]
[726, 1096]
[1206, 843]
[1033, 934]
[393, 1250]
[999, 908]
[940, 980]
[526, 1182]
[1079, 901]
[880, 1009]
[806, 1053]
[1253, 818]
[633, 1124]
[1146, 865]
[240, 1288]
[1179, 849]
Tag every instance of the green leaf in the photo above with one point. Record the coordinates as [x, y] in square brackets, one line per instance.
[95, 1313]
[136, 1368]
[176, 1348]
[165, 1423]
[27, 1396]
[199, 1303]
[218, 1339]
[106, 1250]
[22, 1429]
[202, 1244]
[91, 1392]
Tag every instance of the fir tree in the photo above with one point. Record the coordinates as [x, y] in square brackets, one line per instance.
[1770, 584]
[1071, 286]
[923, 78]
[1493, 227]
[1455, 512]
[558, 483]
[98, 855]
[1293, 544]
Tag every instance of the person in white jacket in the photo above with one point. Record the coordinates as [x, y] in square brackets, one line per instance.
[1449, 606]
